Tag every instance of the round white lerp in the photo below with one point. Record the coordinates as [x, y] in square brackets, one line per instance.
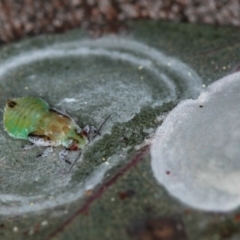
[196, 151]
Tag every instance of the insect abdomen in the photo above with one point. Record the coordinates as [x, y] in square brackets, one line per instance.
[22, 116]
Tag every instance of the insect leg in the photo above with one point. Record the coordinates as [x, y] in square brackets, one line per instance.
[79, 155]
[29, 146]
[63, 155]
[91, 132]
[46, 152]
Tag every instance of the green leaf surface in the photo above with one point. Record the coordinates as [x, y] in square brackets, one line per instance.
[111, 192]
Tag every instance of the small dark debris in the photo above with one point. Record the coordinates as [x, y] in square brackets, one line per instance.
[201, 106]
[149, 209]
[37, 228]
[236, 68]
[167, 228]
[167, 172]
[237, 217]
[126, 194]
[187, 212]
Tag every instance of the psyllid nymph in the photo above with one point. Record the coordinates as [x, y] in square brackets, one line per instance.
[32, 119]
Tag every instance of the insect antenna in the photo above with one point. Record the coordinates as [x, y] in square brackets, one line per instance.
[97, 133]
[78, 156]
[99, 129]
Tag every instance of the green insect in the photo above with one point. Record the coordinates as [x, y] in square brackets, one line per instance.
[32, 119]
